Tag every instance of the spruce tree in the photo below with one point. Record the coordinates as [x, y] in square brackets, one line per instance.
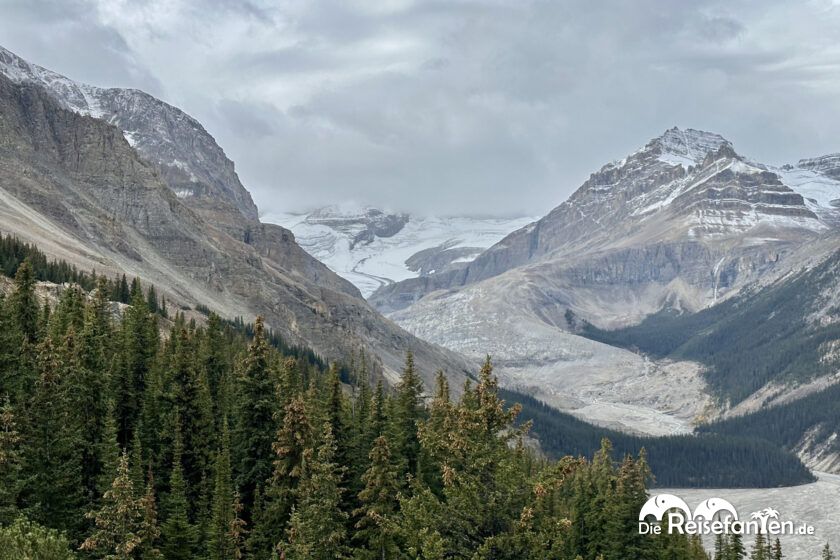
[826, 553]
[759, 550]
[10, 463]
[178, 535]
[23, 305]
[222, 545]
[317, 525]
[777, 550]
[53, 491]
[736, 548]
[255, 421]
[408, 411]
[293, 439]
[379, 503]
[121, 525]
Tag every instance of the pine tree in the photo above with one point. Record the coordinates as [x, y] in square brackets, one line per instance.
[316, 528]
[179, 536]
[152, 300]
[122, 528]
[826, 553]
[721, 546]
[379, 502]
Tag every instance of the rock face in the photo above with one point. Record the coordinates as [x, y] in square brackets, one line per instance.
[681, 223]
[75, 186]
[185, 154]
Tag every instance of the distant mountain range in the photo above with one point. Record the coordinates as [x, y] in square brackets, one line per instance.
[373, 248]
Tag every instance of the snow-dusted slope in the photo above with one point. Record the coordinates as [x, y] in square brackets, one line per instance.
[186, 155]
[682, 223]
[372, 248]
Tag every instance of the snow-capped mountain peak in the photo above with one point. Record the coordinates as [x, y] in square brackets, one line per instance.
[186, 155]
[687, 147]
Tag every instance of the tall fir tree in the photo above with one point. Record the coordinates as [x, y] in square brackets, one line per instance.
[10, 462]
[408, 411]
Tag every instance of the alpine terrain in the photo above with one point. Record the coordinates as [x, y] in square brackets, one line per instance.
[682, 225]
[120, 182]
[372, 248]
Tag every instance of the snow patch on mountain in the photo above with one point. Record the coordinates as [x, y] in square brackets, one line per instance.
[371, 248]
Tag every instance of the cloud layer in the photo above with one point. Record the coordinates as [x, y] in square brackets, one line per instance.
[455, 106]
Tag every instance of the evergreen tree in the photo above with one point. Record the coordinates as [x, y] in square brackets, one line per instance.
[408, 411]
[316, 528]
[759, 550]
[179, 536]
[736, 549]
[137, 348]
[53, 491]
[222, 545]
[777, 550]
[379, 503]
[826, 553]
[10, 463]
[23, 305]
[293, 439]
[255, 423]
[122, 527]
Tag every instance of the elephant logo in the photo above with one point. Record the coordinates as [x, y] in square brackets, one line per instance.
[658, 505]
[714, 506]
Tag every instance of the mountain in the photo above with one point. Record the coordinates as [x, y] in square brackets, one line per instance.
[373, 248]
[681, 224]
[73, 185]
[182, 151]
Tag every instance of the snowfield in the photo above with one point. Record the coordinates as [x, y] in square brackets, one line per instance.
[329, 233]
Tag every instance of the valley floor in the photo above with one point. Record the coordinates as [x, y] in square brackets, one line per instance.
[815, 504]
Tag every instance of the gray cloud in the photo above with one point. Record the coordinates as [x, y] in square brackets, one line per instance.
[453, 106]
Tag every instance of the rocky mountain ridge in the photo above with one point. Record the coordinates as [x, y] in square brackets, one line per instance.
[184, 153]
[680, 224]
[74, 186]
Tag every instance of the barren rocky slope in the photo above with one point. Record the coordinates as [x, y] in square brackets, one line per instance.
[73, 185]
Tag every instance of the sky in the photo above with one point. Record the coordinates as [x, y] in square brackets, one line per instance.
[485, 107]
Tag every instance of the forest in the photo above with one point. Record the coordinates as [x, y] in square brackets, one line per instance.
[127, 434]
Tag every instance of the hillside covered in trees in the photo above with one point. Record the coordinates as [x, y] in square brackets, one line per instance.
[119, 442]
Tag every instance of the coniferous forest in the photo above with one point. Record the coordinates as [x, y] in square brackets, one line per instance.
[125, 434]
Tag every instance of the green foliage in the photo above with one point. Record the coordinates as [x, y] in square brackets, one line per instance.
[24, 540]
[101, 413]
[743, 457]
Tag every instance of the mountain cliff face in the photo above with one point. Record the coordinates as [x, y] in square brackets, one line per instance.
[374, 248]
[74, 185]
[685, 207]
[185, 155]
[680, 224]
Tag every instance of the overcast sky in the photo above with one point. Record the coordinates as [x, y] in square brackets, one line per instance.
[453, 106]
